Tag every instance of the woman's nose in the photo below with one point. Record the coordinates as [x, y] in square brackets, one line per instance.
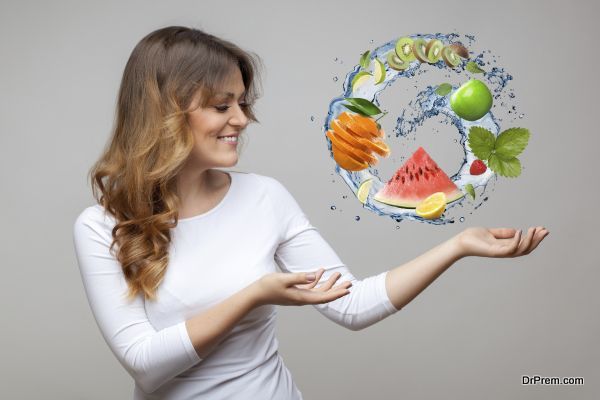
[239, 118]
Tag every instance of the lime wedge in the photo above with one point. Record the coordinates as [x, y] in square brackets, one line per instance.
[363, 190]
[379, 71]
[360, 78]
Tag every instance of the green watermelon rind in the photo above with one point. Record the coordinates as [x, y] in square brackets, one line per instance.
[420, 158]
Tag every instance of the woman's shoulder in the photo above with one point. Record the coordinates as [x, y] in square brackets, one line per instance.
[253, 179]
[95, 217]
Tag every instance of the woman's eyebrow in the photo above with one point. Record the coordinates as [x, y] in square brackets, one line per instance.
[229, 95]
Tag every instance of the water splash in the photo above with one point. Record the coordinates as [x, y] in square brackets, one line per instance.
[427, 104]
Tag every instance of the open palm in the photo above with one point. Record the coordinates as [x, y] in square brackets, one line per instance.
[500, 242]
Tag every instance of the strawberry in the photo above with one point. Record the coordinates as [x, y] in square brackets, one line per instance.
[477, 168]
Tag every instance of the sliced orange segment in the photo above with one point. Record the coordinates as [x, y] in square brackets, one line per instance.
[368, 124]
[348, 136]
[347, 162]
[379, 147]
[348, 149]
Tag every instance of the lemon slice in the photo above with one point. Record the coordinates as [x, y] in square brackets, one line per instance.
[379, 72]
[363, 190]
[360, 79]
[433, 206]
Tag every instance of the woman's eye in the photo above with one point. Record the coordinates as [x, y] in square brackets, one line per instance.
[223, 109]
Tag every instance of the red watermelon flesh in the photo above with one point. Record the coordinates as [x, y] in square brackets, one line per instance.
[418, 178]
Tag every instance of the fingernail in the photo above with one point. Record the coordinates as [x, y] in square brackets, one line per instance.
[311, 277]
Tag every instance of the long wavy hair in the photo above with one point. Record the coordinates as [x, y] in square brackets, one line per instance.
[152, 139]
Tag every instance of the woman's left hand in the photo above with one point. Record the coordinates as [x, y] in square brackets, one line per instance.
[499, 242]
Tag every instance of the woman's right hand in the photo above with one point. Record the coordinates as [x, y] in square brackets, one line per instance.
[296, 289]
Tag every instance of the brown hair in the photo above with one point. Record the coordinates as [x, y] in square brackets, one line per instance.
[151, 140]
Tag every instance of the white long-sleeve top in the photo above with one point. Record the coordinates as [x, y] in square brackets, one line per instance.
[257, 227]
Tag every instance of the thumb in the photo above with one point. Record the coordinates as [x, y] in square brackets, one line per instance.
[503, 233]
[301, 277]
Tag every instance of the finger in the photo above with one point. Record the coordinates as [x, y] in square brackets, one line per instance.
[319, 274]
[299, 278]
[327, 285]
[526, 242]
[313, 297]
[539, 236]
[343, 285]
[502, 233]
[512, 246]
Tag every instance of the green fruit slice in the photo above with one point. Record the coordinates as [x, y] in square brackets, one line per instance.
[396, 62]
[434, 50]
[360, 78]
[450, 57]
[404, 47]
[379, 72]
[363, 190]
[419, 48]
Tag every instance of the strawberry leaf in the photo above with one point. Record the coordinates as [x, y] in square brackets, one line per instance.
[508, 167]
[481, 142]
[511, 142]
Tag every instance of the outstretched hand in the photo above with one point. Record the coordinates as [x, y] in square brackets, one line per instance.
[298, 289]
[499, 242]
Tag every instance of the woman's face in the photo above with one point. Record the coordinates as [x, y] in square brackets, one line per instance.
[223, 116]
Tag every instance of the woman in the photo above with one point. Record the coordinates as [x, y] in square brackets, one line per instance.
[179, 259]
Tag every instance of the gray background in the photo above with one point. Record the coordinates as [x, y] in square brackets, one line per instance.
[471, 334]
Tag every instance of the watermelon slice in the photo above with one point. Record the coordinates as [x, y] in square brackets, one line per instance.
[418, 178]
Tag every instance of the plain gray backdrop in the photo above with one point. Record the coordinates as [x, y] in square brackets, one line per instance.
[471, 334]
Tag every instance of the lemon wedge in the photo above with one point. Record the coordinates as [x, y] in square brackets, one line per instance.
[360, 79]
[379, 72]
[433, 206]
[363, 190]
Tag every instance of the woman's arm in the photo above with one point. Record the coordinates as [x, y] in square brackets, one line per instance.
[405, 282]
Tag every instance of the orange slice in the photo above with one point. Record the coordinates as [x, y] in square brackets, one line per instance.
[345, 161]
[352, 126]
[348, 149]
[367, 124]
[341, 132]
[379, 147]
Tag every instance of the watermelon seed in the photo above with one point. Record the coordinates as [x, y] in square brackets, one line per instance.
[420, 171]
[411, 176]
[403, 180]
[397, 177]
[426, 175]
[417, 177]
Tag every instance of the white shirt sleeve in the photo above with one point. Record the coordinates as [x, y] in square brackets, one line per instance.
[302, 249]
[151, 357]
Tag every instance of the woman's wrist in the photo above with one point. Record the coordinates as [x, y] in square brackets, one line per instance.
[457, 249]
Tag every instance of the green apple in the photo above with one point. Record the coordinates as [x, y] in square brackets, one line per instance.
[472, 100]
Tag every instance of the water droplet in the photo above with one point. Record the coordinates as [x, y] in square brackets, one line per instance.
[511, 95]
[335, 78]
[312, 118]
[357, 218]
[462, 219]
[397, 227]
[371, 41]
[455, 141]
[335, 59]
[333, 207]
[521, 115]
[514, 107]
[344, 197]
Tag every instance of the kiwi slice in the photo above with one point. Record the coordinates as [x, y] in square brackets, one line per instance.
[450, 57]
[396, 62]
[419, 48]
[404, 49]
[460, 50]
[434, 50]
